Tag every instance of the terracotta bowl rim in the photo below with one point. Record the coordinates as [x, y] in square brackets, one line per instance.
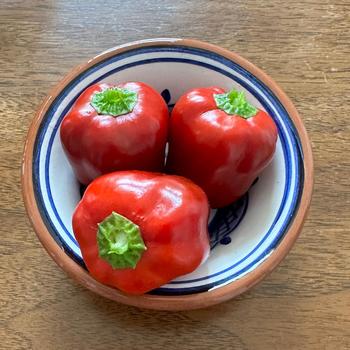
[161, 302]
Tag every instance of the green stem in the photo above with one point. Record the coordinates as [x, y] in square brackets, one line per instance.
[235, 103]
[120, 242]
[114, 101]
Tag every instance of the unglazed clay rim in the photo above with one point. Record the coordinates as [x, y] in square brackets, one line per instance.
[161, 302]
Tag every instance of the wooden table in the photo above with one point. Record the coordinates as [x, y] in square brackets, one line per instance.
[304, 46]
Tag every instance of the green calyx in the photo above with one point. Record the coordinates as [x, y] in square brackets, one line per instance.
[120, 242]
[114, 101]
[234, 102]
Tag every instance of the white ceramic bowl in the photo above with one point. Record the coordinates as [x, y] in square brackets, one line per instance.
[249, 238]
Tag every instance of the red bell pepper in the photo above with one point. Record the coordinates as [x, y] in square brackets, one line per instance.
[111, 128]
[220, 141]
[139, 230]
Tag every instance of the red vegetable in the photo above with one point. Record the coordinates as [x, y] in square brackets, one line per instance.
[139, 230]
[112, 128]
[220, 141]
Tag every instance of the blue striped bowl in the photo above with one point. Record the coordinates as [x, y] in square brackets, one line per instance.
[248, 238]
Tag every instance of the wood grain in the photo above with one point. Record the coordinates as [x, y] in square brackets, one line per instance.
[305, 47]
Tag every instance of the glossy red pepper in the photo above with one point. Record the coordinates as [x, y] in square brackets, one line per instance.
[109, 128]
[139, 230]
[220, 141]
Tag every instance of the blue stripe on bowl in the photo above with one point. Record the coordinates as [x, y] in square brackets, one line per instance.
[272, 99]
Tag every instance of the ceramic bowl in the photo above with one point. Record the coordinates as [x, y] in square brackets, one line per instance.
[248, 238]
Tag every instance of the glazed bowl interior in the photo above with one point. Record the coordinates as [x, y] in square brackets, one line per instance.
[244, 234]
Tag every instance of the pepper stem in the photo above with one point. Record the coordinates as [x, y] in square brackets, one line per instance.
[120, 242]
[234, 102]
[114, 101]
